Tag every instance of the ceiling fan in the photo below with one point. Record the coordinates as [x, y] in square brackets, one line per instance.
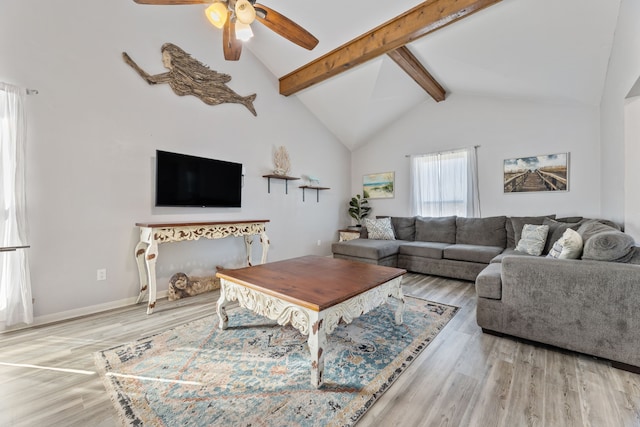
[234, 18]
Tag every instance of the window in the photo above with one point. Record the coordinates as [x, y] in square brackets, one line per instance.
[444, 184]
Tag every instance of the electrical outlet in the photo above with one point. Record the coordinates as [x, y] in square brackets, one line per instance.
[101, 274]
[319, 242]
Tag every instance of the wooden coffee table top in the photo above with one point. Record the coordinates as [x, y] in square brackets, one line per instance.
[315, 282]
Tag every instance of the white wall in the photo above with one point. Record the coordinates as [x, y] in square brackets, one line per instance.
[504, 129]
[623, 71]
[94, 129]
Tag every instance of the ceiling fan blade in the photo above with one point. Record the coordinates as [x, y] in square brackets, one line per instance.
[173, 2]
[231, 46]
[285, 27]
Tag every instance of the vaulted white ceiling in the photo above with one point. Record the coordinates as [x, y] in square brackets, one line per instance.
[541, 50]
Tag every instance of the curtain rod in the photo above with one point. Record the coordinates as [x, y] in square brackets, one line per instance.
[440, 152]
[29, 91]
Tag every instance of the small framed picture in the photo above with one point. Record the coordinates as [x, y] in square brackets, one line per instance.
[378, 185]
[549, 172]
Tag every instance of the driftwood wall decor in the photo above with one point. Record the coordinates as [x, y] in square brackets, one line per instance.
[188, 76]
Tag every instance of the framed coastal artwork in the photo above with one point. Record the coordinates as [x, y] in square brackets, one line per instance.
[549, 172]
[378, 185]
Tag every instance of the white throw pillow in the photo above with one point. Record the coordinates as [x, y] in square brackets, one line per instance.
[379, 229]
[533, 239]
[569, 246]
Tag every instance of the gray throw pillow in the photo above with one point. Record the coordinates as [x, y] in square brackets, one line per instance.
[609, 246]
[515, 223]
[592, 227]
[380, 229]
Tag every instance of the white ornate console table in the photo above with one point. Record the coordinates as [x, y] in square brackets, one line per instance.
[152, 234]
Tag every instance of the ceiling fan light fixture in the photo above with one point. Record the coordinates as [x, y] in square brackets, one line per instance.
[217, 14]
[243, 31]
[245, 12]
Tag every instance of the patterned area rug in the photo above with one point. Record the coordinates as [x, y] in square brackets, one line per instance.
[256, 373]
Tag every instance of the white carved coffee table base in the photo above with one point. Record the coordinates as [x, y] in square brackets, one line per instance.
[316, 324]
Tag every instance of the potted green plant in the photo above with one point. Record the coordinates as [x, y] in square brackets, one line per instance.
[359, 208]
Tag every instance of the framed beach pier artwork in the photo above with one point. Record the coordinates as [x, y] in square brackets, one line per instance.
[549, 172]
[378, 185]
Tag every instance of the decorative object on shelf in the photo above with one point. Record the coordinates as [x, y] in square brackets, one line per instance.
[314, 181]
[378, 185]
[359, 208]
[188, 76]
[539, 173]
[281, 161]
[182, 286]
[234, 18]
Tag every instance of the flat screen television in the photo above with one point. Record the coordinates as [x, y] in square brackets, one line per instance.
[183, 180]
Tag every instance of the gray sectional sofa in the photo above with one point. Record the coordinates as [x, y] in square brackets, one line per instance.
[448, 246]
[590, 304]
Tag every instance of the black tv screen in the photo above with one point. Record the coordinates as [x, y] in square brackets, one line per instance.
[183, 180]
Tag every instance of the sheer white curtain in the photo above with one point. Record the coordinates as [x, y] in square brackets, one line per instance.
[15, 283]
[445, 183]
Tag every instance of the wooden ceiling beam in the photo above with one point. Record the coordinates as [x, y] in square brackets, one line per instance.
[423, 19]
[410, 64]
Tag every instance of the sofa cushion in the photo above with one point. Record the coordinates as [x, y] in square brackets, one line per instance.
[570, 219]
[533, 239]
[609, 223]
[472, 253]
[404, 227]
[592, 227]
[508, 251]
[423, 249]
[436, 229]
[379, 229]
[488, 231]
[609, 246]
[515, 224]
[635, 256]
[556, 231]
[367, 248]
[569, 246]
[489, 282]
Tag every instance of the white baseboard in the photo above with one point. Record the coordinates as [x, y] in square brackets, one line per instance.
[78, 312]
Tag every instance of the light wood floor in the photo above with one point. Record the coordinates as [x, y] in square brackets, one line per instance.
[463, 378]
